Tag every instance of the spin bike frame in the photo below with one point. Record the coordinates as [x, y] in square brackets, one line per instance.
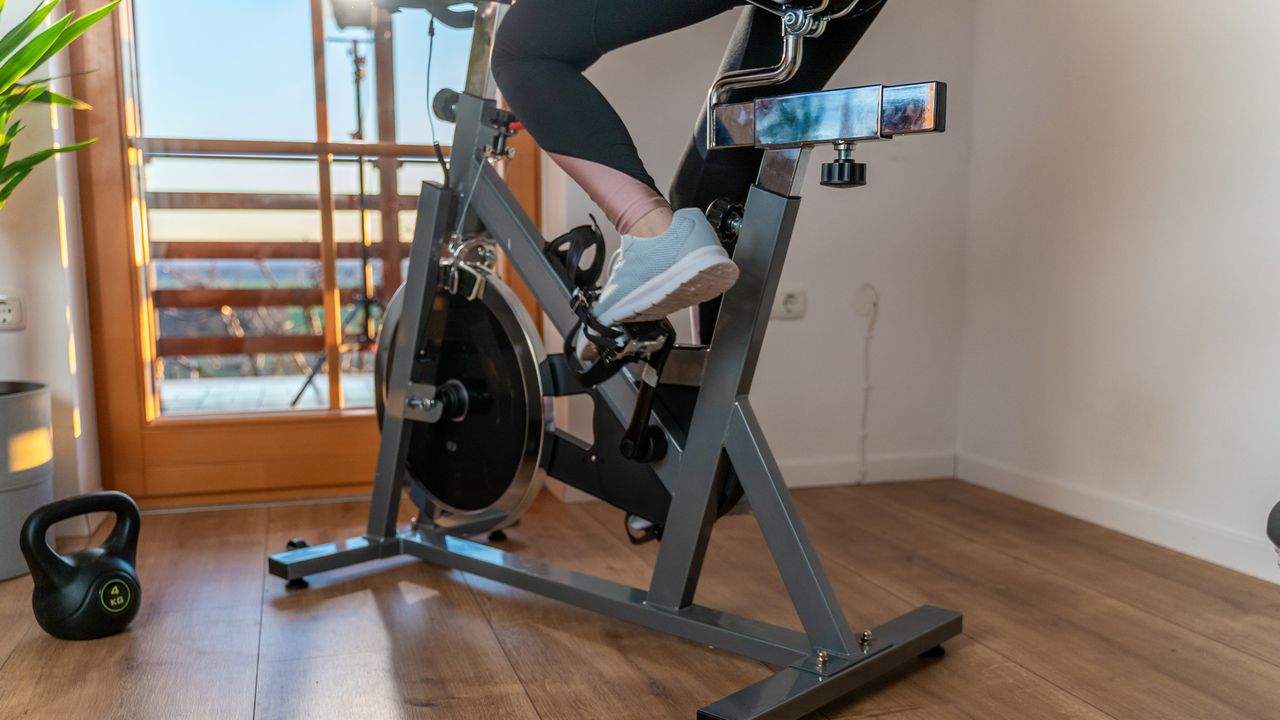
[825, 661]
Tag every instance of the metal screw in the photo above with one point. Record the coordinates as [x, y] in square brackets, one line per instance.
[820, 659]
[866, 638]
[593, 459]
[417, 403]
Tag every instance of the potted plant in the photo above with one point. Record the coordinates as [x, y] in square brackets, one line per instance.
[26, 432]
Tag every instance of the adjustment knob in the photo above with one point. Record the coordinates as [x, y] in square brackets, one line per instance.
[844, 173]
[445, 105]
[726, 217]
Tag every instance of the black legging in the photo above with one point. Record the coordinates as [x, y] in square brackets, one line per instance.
[543, 47]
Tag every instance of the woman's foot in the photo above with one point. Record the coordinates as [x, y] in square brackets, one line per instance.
[656, 276]
[652, 277]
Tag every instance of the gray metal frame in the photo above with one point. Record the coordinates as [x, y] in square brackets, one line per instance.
[828, 659]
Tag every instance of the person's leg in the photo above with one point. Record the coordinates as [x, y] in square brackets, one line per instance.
[704, 176]
[540, 52]
[669, 261]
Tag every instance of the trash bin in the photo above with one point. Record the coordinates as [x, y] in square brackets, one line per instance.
[26, 465]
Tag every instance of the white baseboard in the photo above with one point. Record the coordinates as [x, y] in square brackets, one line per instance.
[817, 472]
[1222, 546]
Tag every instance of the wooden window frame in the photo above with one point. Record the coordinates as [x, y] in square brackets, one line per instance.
[196, 460]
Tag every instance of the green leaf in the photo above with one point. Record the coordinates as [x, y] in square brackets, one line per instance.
[6, 142]
[50, 97]
[76, 29]
[24, 60]
[17, 96]
[23, 30]
[7, 189]
[14, 129]
[37, 94]
[18, 167]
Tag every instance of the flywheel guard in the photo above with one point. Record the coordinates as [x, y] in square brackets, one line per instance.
[479, 470]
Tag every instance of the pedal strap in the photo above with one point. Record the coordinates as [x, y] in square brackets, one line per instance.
[598, 334]
[568, 250]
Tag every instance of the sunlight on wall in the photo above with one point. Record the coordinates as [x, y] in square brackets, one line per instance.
[139, 258]
[62, 233]
[30, 449]
[71, 342]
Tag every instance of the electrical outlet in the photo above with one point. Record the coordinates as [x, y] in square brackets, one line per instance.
[789, 305]
[11, 315]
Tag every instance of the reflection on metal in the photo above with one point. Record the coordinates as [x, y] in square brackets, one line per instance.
[735, 125]
[915, 108]
[855, 114]
[782, 171]
[479, 78]
[788, 64]
[852, 114]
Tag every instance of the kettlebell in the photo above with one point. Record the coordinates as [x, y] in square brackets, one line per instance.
[91, 593]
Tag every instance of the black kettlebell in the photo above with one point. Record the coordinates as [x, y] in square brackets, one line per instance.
[91, 593]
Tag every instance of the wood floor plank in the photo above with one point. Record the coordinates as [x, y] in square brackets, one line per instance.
[198, 569]
[202, 560]
[1063, 620]
[391, 639]
[1126, 662]
[15, 614]
[1241, 611]
[737, 578]
[15, 603]
[579, 664]
[181, 664]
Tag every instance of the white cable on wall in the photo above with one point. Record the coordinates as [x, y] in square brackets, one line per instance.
[866, 303]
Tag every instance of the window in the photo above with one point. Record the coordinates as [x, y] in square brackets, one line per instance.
[276, 159]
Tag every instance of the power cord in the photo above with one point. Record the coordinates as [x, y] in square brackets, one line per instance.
[866, 304]
[431, 116]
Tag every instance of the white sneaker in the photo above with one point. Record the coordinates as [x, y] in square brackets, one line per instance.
[654, 277]
[650, 278]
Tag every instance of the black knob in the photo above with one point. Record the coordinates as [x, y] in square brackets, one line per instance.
[844, 173]
[445, 105]
[726, 217]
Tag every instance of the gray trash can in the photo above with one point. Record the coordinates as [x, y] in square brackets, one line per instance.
[26, 465]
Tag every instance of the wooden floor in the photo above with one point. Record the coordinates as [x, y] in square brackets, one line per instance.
[1063, 620]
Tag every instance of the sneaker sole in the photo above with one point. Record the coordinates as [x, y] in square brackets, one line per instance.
[702, 275]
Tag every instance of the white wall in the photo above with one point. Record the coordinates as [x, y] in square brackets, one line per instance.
[904, 233]
[1122, 323]
[41, 261]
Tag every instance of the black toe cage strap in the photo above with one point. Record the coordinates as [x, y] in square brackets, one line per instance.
[603, 337]
[568, 250]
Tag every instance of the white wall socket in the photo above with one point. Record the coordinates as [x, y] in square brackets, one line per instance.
[789, 305]
[11, 315]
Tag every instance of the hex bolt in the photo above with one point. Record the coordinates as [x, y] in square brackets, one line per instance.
[866, 639]
[820, 660]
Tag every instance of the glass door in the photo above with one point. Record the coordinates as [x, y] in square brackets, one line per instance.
[273, 151]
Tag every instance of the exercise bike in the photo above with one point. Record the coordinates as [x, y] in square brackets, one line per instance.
[465, 385]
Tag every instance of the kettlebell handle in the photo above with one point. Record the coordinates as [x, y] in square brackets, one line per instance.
[122, 542]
